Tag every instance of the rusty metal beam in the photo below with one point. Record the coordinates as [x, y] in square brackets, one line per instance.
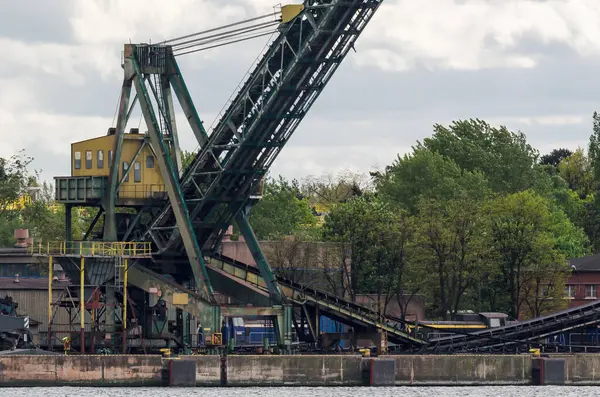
[242, 311]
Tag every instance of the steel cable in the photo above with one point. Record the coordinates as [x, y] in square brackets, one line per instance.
[229, 42]
[222, 35]
[228, 38]
[273, 14]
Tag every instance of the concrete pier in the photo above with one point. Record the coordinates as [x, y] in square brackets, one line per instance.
[309, 370]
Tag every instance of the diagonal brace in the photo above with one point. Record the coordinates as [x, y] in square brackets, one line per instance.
[170, 178]
[259, 258]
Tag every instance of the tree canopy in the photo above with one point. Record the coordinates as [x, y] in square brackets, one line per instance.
[471, 218]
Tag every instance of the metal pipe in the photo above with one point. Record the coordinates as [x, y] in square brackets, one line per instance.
[50, 268]
[82, 303]
[125, 306]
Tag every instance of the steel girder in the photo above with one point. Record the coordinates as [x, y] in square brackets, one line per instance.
[151, 70]
[260, 119]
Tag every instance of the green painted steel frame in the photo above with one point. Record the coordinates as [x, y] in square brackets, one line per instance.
[262, 117]
[170, 179]
[265, 270]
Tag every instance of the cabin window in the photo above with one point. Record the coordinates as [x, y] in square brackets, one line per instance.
[100, 159]
[125, 167]
[149, 161]
[88, 159]
[77, 158]
[591, 291]
[570, 291]
[110, 158]
[137, 172]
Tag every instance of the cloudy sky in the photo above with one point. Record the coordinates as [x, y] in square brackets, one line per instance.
[532, 65]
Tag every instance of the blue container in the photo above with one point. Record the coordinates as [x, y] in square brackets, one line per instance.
[328, 325]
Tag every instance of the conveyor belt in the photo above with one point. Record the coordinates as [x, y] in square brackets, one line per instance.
[523, 333]
[337, 308]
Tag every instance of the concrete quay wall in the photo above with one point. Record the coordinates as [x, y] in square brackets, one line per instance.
[41, 370]
[463, 369]
[581, 369]
[312, 370]
[309, 370]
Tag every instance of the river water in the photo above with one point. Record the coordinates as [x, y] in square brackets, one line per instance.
[487, 391]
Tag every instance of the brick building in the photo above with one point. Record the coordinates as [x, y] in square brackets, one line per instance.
[582, 286]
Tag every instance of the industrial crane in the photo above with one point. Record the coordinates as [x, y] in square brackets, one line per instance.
[185, 227]
[309, 42]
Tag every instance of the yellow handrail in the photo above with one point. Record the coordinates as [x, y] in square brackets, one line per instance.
[93, 248]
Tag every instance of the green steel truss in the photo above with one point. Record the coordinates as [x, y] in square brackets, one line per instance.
[152, 70]
[215, 189]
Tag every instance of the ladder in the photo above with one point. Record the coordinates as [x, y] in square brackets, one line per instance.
[119, 269]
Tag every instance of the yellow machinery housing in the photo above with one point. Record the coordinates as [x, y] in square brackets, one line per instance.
[91, 160]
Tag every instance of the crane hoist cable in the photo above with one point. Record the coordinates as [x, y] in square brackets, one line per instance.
[220, 37]
[226, 43]
[273, 14]
[225, 34]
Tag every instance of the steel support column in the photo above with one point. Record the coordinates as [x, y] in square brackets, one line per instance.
[125, 271]
[110, 219]
[82, 303]
[259, 258]
[283, 326]
[169, 111]
[171, 181]
[187, 105]
[68, 222]
[50, 270]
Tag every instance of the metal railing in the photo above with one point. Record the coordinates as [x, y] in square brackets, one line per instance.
[141, 191]
[93, 248]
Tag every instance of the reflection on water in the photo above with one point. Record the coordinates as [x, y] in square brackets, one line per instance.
[487, 391]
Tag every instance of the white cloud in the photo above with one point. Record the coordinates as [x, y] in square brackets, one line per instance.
[47, 137]
[475, 34]
[298, 161]
[70, 63]
[545, 120]
[115, 21]
[404, 35]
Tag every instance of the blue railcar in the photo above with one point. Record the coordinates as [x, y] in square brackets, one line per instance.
[252, 332]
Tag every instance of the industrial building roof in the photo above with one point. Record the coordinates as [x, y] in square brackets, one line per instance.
[590, 263]
[33, 283]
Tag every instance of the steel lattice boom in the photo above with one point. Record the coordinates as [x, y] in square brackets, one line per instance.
[216, 187]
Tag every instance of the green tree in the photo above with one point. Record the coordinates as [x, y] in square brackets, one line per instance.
[504, 157]
[594, 149]
[430, 175]
[14, 178]
[47, 224]
[407, 275]
[361, 222]
[528, 242]
[281, 211]
[186, 158]
[454, 244]
[380, 238]
[555, 157]
[577, 171]
[331, 189]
